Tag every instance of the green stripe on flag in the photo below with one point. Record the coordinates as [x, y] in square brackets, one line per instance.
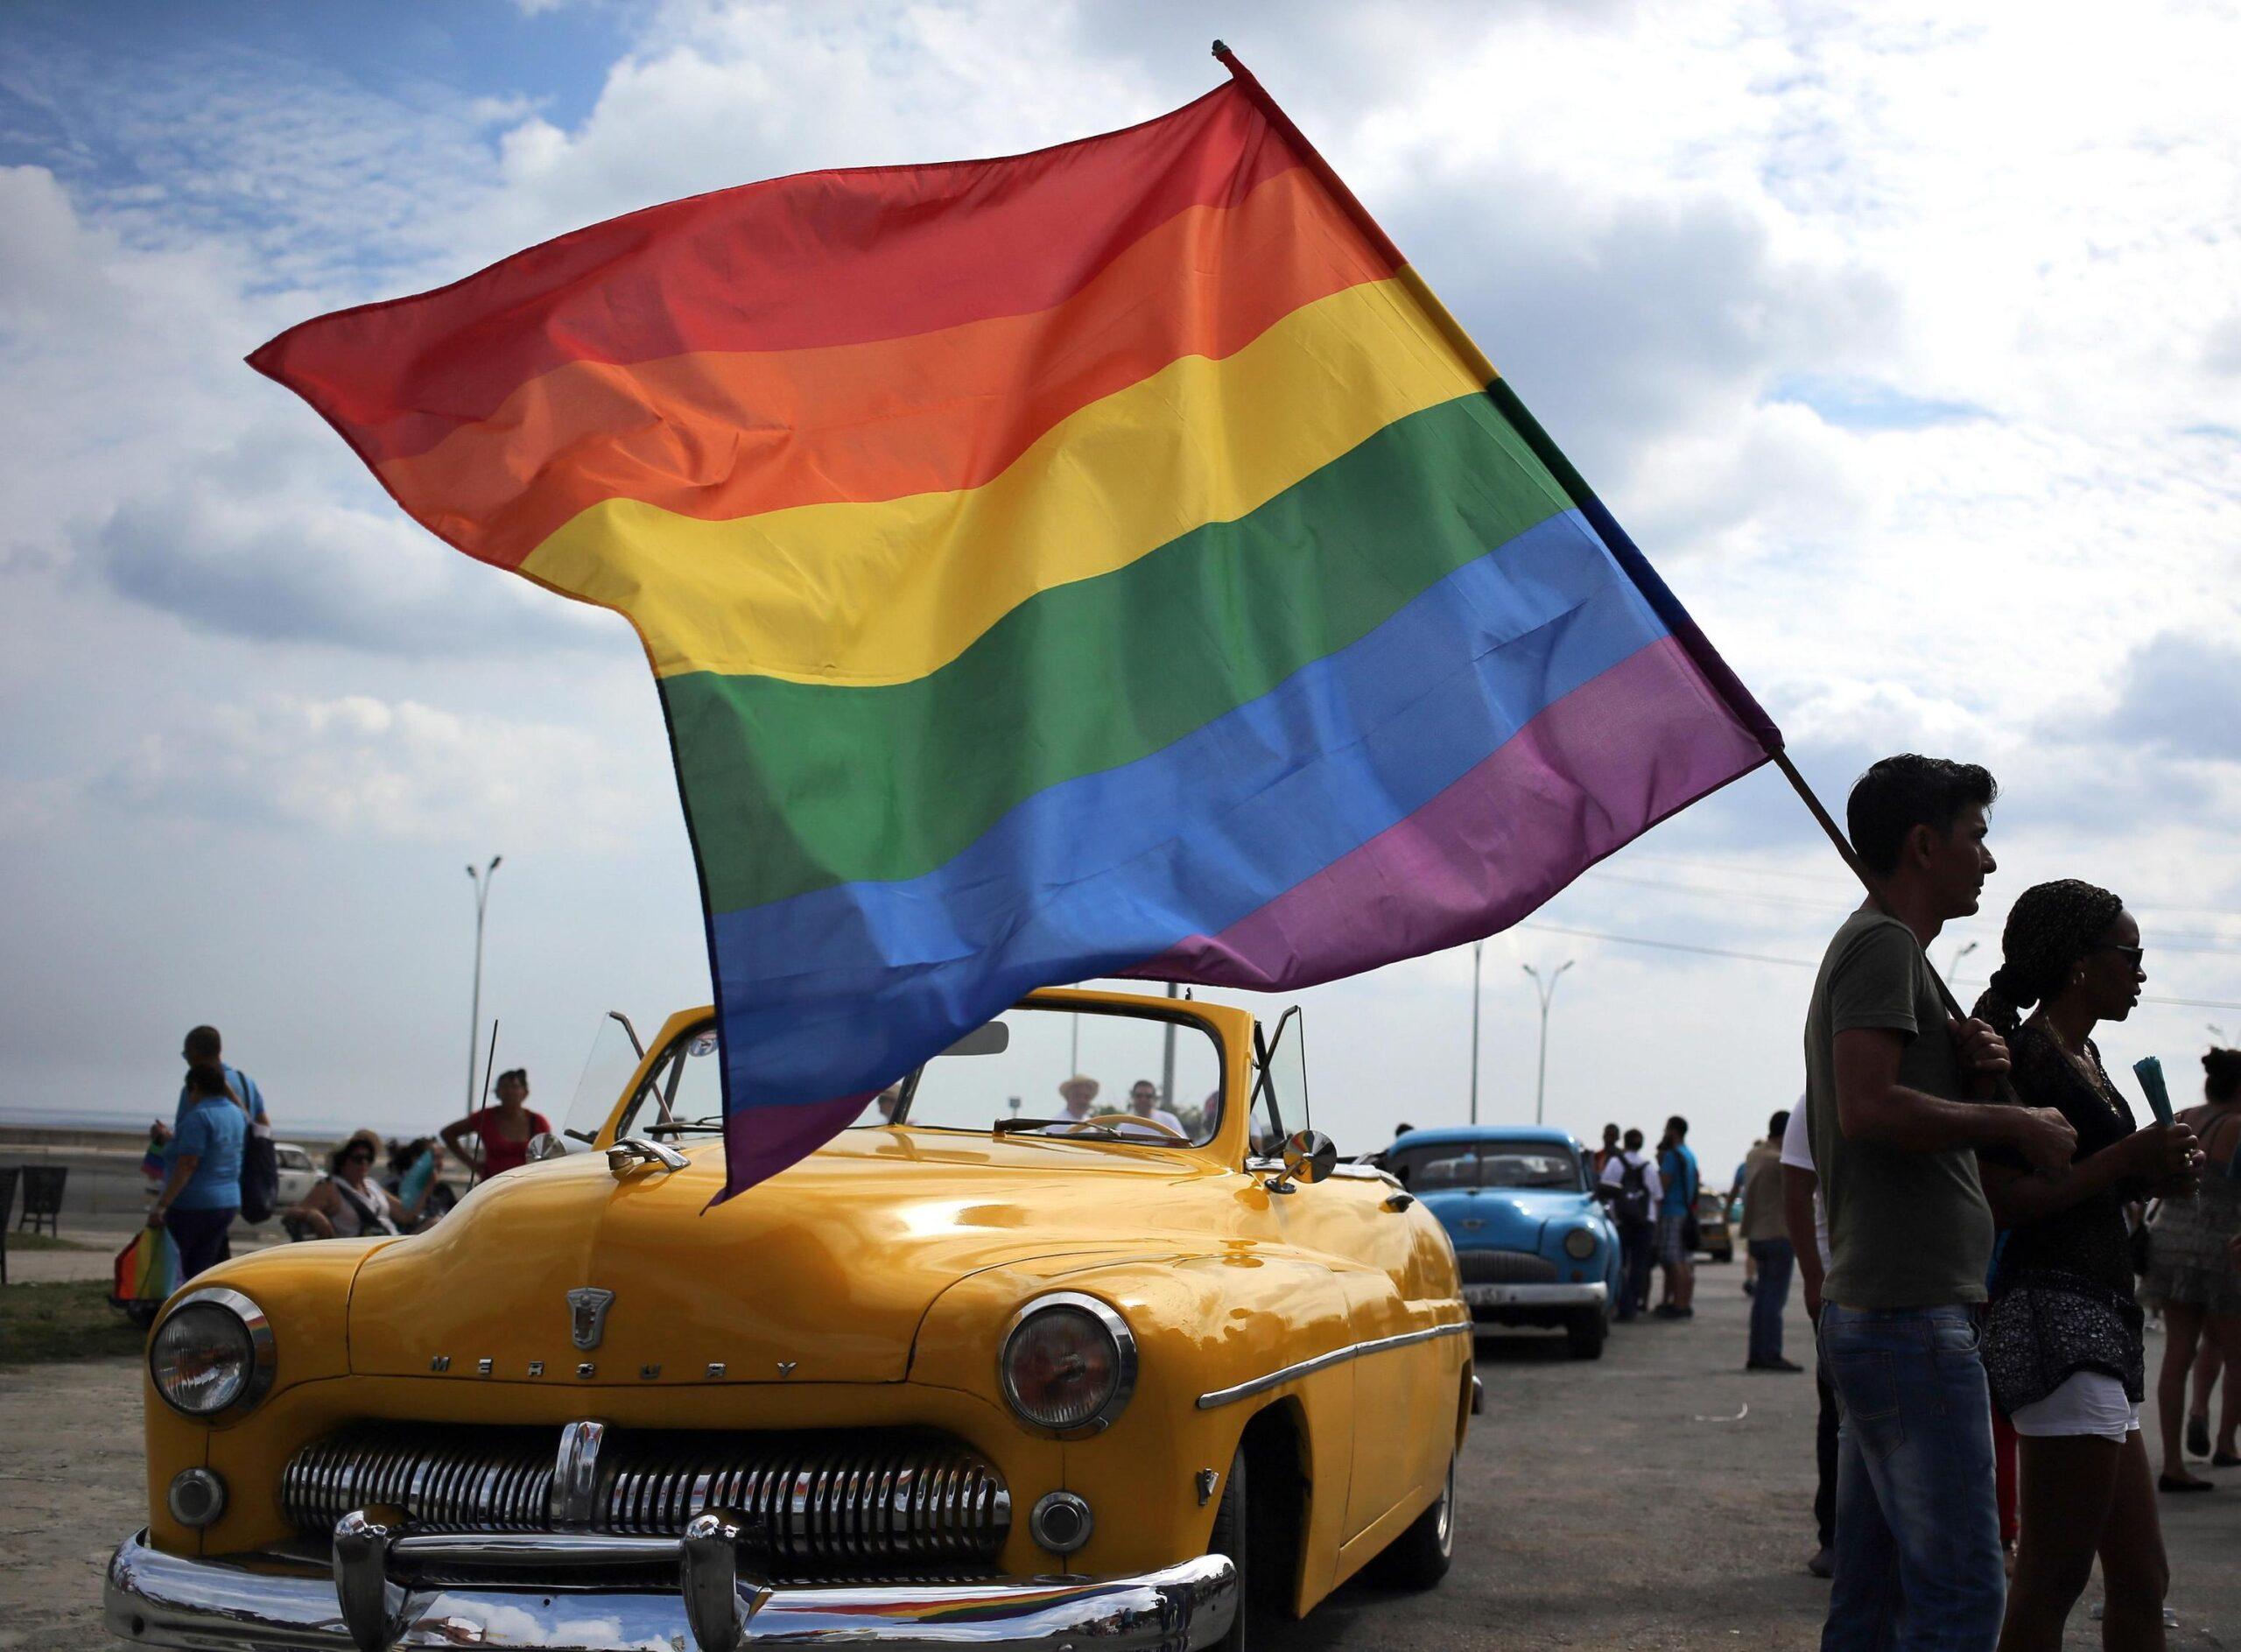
[795, 786]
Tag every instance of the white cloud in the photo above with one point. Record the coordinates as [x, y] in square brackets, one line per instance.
[359, 766]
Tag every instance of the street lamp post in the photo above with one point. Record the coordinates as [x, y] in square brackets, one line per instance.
[1953, 969]
[481, 881]
[1547, 990]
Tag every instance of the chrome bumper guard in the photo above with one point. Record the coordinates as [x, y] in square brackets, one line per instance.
[1586, 1296]
[383, 1590]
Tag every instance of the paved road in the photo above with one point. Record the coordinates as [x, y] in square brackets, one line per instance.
[1656, 1499]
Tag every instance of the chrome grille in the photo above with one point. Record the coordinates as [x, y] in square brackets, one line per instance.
[1504, 1268]
[869, 1498]
[445, 1480]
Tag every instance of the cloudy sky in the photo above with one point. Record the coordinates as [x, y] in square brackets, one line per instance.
[1906, 341]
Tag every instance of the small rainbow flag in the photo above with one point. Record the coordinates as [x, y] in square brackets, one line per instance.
[1107, 560]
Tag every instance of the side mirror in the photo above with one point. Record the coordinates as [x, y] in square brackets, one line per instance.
[1309, 1156]
[546, 1145]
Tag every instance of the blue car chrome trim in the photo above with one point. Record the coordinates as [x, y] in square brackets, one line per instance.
[1579, 1295]
[1323, 1361]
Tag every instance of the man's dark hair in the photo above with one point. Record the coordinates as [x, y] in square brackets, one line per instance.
[203, 1044]
[1610, 1130]
[1900, 793]
[204, 1082]
[1777, 1125]
[1403, 1130]
[1676, 1127]
[1633, 1140]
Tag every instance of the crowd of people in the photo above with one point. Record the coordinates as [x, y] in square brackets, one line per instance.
[1652, 1200]
[203, 1164]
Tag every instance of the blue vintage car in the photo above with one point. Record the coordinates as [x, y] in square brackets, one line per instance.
[1534, 1245]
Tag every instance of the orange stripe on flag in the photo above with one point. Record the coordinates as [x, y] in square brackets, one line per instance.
[721, 435]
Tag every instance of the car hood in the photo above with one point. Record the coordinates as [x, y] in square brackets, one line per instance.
[822, 1273]
[1510, 1217]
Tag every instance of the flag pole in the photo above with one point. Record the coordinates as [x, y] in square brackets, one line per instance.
[1719, 674]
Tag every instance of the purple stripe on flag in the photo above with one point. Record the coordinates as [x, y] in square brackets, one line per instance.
[761, 1141]
[1589, 773]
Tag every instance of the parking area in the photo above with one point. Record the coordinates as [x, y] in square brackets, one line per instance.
[1657, 1498]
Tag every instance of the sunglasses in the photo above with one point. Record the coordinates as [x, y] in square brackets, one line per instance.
[357, 1158]
[2130, 955]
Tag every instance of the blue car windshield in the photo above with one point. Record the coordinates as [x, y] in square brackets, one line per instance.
[1520, 1165]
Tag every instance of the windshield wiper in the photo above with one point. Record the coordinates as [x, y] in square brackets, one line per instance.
[1072, 1127]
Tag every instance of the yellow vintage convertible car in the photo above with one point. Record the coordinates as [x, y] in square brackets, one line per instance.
[1044, 1354]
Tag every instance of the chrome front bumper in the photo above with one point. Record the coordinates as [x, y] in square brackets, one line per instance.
[374, 1595]
[1586, 1296]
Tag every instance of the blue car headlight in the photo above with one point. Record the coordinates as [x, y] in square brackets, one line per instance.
[1579, 1244]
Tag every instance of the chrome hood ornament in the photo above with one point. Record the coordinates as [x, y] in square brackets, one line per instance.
[588, 1307]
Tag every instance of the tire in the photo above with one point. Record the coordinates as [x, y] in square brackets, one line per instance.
[1419, 1557]
[1231, 1538]
[1584, 1333]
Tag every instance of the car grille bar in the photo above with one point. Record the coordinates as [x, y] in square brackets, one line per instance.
[830, 1502]
[1504, 1268]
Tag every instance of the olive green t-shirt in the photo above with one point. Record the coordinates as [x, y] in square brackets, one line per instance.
[1906, 1230]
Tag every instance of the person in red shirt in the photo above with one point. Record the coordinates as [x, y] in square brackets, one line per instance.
[503, 1132]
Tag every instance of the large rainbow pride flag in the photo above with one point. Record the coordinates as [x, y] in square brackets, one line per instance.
[1111, 560]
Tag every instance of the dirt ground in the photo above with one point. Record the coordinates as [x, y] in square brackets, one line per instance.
[1656, 1499]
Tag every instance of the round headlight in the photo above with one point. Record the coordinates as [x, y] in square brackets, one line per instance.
[211, 1353]
[1579, 1244]
[1068, 1364]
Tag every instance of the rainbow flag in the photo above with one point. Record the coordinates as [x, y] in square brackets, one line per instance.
[1111, 560]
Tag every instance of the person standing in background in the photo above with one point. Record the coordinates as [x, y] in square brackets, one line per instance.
[1604, 1154]
[202, 1186]
[1807, 1222]
[1766, 1230]
[1677, 1220]
[1634, 1198]
[2189, 1273]
[204, 1048]
[503, 1132]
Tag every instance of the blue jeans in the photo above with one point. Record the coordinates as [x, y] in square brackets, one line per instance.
[1775, 1259]
[1918, 1559]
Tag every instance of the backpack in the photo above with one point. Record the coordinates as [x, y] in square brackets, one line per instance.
[1631, 1204]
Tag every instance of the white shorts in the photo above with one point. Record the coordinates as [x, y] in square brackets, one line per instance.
[2087, 1402]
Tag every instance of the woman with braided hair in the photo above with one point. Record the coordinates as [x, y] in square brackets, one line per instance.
[2190, 1274]
[2062, 1345]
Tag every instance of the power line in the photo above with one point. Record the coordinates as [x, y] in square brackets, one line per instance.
[1798, 963]
[2173, 941]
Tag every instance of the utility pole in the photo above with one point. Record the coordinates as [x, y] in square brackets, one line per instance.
[481, 881]
[1477, 952]
[1547, 991]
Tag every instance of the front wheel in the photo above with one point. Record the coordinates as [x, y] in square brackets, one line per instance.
[1418, 1558]
[1254, 1547]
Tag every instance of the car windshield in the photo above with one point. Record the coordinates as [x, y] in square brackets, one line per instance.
[1455, 1165]
[1043, 1070]
[1036, 1070]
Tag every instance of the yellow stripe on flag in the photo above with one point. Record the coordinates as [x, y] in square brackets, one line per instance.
[884, 593]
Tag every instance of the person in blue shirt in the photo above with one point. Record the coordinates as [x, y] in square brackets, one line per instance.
[202, 1186]
[1676, 1168]
[205, 1048]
